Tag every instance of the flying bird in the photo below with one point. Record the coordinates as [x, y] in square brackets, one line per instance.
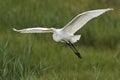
[66, 34]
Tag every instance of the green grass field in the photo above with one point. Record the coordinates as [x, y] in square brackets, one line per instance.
[38, 57]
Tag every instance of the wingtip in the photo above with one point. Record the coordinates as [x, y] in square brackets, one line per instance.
[110, 9]
[14, 29]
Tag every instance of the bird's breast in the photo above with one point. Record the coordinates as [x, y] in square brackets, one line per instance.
[60, 37]
[56, 37]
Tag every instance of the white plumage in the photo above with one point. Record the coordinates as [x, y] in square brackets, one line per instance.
[66, 34]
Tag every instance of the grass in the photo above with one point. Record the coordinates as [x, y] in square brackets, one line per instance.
[40, 64]
[38, 57]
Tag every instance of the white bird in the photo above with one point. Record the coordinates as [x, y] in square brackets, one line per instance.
[66, 34]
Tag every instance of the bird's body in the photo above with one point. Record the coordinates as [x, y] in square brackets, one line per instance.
[60, 36]
[66, 34]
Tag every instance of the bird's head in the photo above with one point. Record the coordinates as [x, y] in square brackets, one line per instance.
[53, 29]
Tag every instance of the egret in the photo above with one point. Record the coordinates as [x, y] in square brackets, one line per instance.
[66, 34]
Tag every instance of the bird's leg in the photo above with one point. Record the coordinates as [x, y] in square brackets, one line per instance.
[71, 47]
[74, 49]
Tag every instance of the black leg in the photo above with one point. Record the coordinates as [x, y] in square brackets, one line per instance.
[74, 49]
[71, 47]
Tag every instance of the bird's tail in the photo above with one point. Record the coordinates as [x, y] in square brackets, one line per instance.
[75, 38]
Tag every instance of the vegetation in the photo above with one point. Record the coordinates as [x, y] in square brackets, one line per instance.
[38, 57]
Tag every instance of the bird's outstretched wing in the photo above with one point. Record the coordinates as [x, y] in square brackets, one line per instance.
[81, 19]
[34, 30]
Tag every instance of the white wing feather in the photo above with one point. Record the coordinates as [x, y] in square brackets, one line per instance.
[80, 20]
[34, 30]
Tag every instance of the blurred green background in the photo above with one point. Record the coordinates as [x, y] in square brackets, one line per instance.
[38, 57]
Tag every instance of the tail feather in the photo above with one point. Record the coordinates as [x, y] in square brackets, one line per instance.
[75, 38]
